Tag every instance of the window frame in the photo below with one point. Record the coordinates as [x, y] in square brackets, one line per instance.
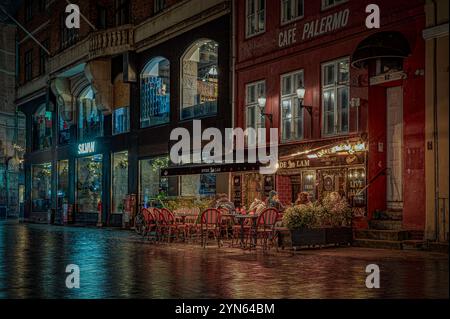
[260, 121]
[335, 87]
[249, 35]
[43, 58]
[155, 59]
[122, 12]
[28, 65]
[294, 99]
[336, 3]
[181, 89]
[28, 10]
[81, 135]
[159, 6]
[283, 21]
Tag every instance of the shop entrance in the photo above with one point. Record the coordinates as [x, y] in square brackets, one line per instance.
[394, 187]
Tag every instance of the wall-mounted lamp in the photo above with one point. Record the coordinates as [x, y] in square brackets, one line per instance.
[301, 97]
[262, 105]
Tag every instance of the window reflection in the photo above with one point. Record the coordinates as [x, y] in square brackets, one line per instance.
[200, 80]
[41, 191]
[90, 118]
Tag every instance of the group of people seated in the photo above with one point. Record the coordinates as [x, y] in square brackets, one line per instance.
[258, 205]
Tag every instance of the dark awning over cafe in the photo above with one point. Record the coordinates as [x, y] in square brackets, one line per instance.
[209, 169]
[380, 45]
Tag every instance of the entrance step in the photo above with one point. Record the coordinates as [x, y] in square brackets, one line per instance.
[413, 244]
[392, 235]
[374, 243]
[440, 247]
[390, 244]
[385, 224]
[416, 234]
[395, 214]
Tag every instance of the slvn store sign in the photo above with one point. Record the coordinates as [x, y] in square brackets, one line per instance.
[86, 148]
[312, 29]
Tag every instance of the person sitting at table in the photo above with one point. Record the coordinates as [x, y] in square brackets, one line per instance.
[274, 201]
[302, 198]
[257, 206]
[222, 201]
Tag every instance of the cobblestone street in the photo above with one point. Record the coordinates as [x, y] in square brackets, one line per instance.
[119, 264]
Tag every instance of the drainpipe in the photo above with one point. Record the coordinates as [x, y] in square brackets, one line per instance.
[435, 132]
[233, 77]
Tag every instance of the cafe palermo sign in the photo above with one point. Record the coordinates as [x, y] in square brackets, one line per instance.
[86, 148]
[312, 29]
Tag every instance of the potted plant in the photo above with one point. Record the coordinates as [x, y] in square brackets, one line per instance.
[337, 216]
[303, 223]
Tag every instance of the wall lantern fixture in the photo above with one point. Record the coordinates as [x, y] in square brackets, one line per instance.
[262, 105]
[301, 97]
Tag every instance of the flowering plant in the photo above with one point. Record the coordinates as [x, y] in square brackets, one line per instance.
[300, 216]
[336, 210]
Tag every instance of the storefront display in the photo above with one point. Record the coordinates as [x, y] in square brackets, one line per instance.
[42, 128]
[89, 183]
[119, 181]
[41, 191]
[151, 183]
[63, 183]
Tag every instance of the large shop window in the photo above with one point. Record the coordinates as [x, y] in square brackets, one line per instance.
[42, 128]
[155, 93]
[194, 185]
[120, 181]
[65, 121]
[90, 118]
[291, 112]
[63, 183]
[41, 190]
[151, 183]
[200, 80]
[291, 10]
[89, 183]
[255, 17]
[335, 97]
[252, 111]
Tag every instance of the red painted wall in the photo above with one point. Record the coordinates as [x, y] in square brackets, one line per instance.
[260, 58]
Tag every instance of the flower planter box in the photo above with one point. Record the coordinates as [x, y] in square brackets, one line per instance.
[339, 235]
[308, 237]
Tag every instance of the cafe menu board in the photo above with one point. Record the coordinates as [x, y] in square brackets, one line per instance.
[309, 182]
[356, 183]
[268, 185]
[237, 190]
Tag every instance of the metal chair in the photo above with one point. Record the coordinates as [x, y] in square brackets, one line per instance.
[210, 224]
[265, 227]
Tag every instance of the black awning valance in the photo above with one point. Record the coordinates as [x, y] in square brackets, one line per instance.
[209, 169]
[380, 45]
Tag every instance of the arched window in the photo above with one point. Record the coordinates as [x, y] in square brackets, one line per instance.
[65, 120]
[155, 92]
[42, 128]
[90, 118]
[199, 89]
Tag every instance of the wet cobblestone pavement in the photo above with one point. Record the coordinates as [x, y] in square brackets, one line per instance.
[119, 264]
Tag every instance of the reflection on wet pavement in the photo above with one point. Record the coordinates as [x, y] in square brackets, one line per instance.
[119, 264]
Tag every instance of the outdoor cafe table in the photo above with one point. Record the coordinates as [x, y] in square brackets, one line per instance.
[241, 218]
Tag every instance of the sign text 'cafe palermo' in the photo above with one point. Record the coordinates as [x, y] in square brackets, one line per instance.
[312, 29]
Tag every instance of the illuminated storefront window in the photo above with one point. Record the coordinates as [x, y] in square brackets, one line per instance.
[120, 181]
[63, 183]
[89, 183]
[200, 80]
[155, 93]
[65, 121]
[150, 181]
[42, 128]
[41, 190]
[90, 118]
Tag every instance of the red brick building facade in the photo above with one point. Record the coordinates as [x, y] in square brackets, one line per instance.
[279, 42]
